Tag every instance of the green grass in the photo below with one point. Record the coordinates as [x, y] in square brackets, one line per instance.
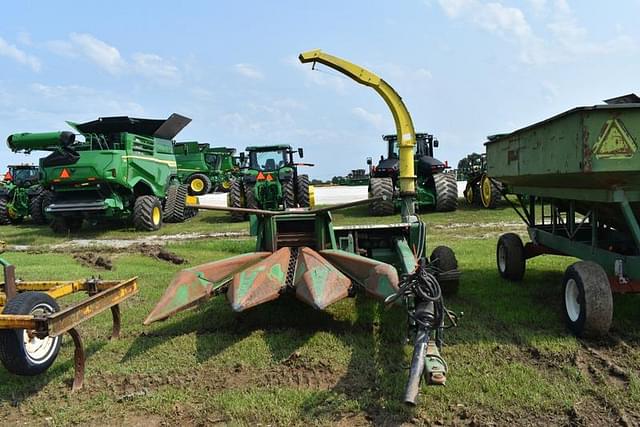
[511, 359]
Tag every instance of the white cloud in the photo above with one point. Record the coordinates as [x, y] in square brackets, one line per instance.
[155, 67]
[248, 71]
[11, 51]
[61, 48]
[99, 52]
[24, 38]
[375, 119]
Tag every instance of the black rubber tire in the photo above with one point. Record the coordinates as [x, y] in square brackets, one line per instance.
[205, 180]
[444, 259]
[593, 294]
[143, 213]
[170, 201]
[235, 200]
[381, 187]
[250, 197]
[13, 353]
[37, 205]
[66, 224]
[302, 187]
[510, 257]
[4, 211]
[446, 188]
[288, 194]
[489, 193]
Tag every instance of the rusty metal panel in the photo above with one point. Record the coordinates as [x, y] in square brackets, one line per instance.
[317, 282]
[18, 321]
[195, 284]
[378, 278]
[260, 282]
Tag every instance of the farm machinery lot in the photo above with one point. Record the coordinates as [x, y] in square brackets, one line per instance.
[512, 358]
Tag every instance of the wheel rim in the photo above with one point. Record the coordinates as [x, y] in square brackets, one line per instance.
[571, 303]
[486, 191]
[197, 185]
[468, 194]
[37, 349]
[226, 185]
[502, 258]
[155, 214]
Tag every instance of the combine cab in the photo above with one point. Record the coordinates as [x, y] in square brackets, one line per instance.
[435, 189]
[269, 180]
[203, 168]
[122, 169]
[21, 195]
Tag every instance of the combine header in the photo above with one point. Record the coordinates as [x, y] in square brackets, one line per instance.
[302, 253]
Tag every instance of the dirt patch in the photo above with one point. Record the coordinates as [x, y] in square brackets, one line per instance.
[93, 260]
[158, 252]
[102, 259]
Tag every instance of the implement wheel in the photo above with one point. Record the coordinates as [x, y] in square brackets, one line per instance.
[510, 257]
[199, 184]
[443, 260]
[489, 193]
[303, 196]
[21, 352]
[235, 200]
[446, 188]
[147, 213]
[588, 303]
[381, 187]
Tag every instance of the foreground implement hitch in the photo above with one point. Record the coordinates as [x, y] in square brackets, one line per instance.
[31, 325]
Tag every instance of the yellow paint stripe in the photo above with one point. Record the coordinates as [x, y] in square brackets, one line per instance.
[151, 159]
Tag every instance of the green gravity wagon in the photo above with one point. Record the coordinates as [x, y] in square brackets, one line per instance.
[21, 195]
[121, 168]
[204, 168]
[577, 178]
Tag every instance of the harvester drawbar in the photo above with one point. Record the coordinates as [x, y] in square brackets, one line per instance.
[299, 251]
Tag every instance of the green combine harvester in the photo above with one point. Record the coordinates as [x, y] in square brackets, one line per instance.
[480, 189]
[269, 179]
[204, 168]
[301, 253]
[122, 169]
[355, 177]
[577, 178]
[435, 189]
[21, 196]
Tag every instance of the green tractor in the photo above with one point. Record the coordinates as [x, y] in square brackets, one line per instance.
[21, 195]
[480, 189]
[203, 168]
[123, 169]
[435, 188]
[269, 180]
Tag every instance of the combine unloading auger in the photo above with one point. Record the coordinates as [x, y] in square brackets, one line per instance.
[302, 253]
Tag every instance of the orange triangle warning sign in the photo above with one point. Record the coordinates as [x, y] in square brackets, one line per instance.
[260, 176]
[65, 173]
[8, 177]
[269, 177]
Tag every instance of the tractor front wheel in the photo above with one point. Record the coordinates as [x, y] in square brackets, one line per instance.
[147, 213]
[37, 207]
[289, 194]
[236, 200]
[304, 198]
[381, 187]
[199, 184]
[446, 188]
[489, 193]
[4, 211]
[21, 351]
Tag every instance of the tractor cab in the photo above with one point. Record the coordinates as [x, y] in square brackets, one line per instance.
[22, 175]
[423, 154]
[270, 158]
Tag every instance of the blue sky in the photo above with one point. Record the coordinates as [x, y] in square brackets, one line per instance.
[465, 68]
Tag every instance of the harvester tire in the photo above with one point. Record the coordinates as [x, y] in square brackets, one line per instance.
[235, 200]
[446, 188]
[302, 184]
[147, 213]
[199, 184]
[510, 257]
[37, 206]
[66, 224]
[4, 211]
[381, 187]
[444, 260]
[489, 193]
[588, 302]
[170, 203]
[20, 352]
[187, 212]
[289, 194]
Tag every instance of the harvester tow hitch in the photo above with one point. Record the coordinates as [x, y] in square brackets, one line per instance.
[423, 299]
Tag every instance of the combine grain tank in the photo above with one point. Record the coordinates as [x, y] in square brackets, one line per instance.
[577, 177]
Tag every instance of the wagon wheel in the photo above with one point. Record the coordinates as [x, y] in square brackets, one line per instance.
[510, 257]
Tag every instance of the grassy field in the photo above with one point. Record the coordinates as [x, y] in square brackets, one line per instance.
[511, 360]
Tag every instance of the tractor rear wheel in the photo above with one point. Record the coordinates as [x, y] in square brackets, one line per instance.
[66, 224]
[446, 188]
[289, 194]
[588, 302]
[381, 187]
[489, 193]
[21, 352]
[302, 184]
[4, 211]
[250, 197]
[147, 213]
[37, 206]
[199, 184]
[510, 257]
[443, 260]
[235, 200]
